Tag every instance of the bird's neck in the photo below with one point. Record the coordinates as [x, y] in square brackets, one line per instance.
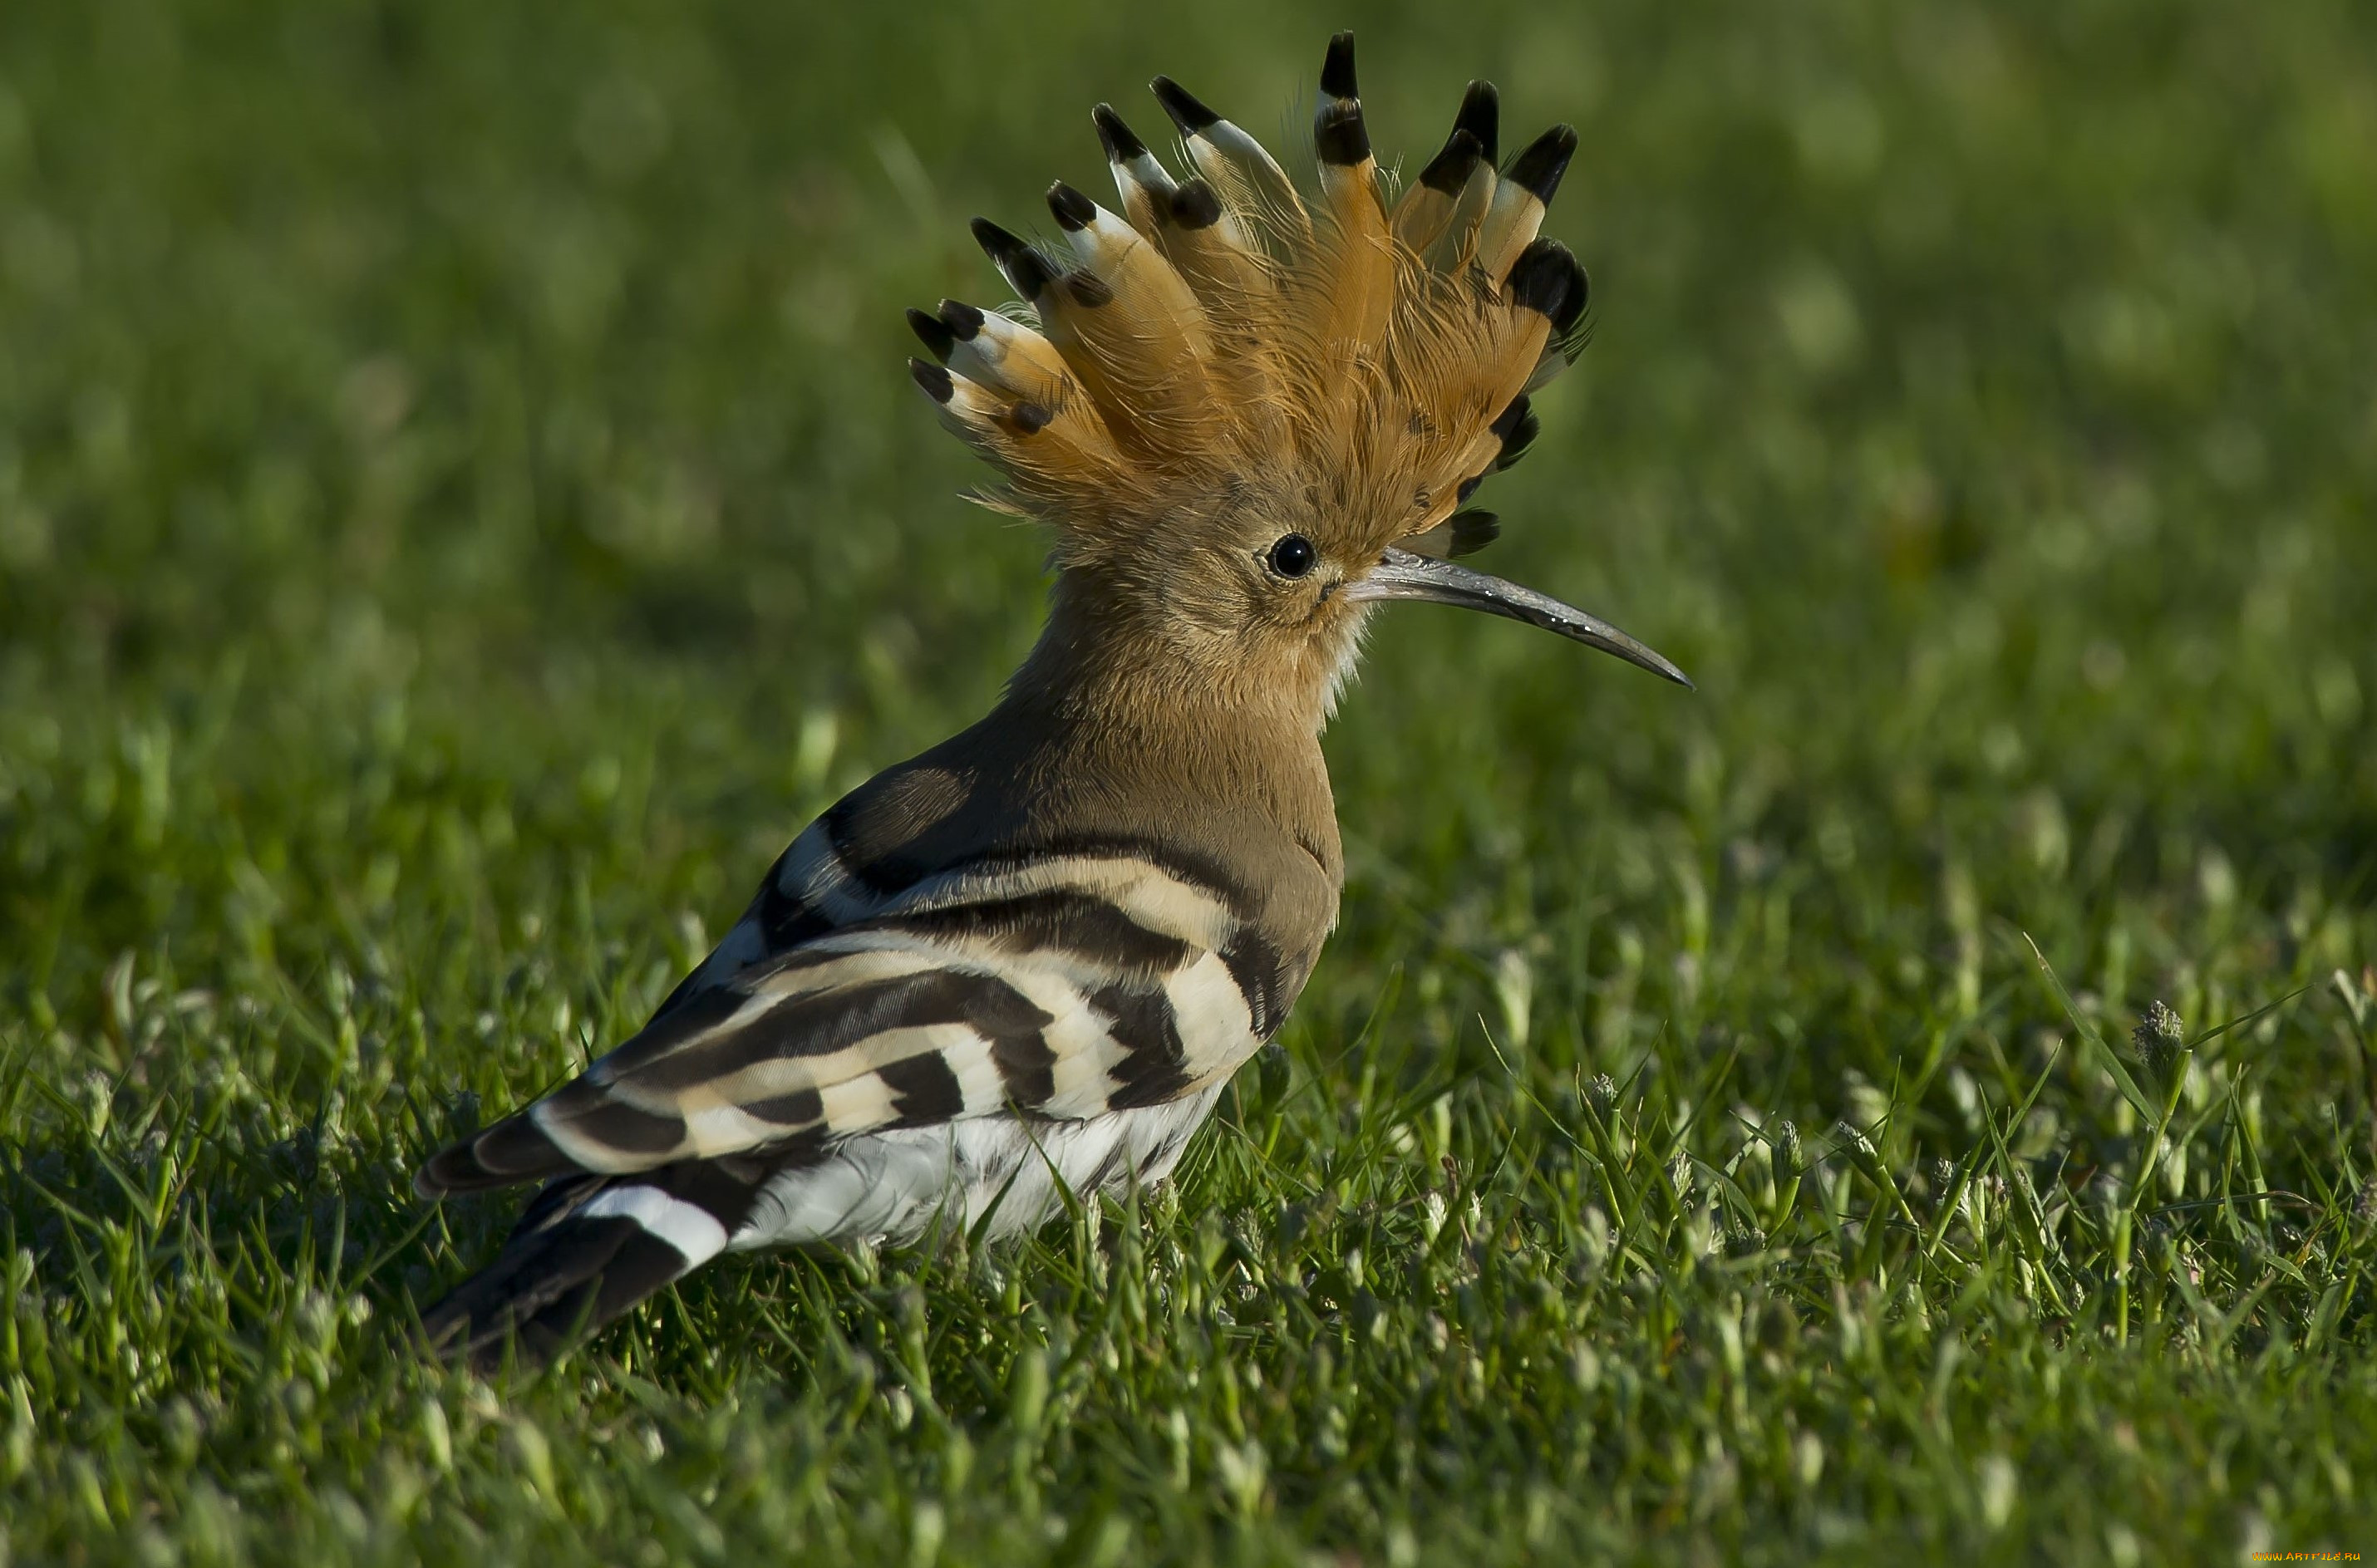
[1105, 658]
[1102, 702]
[1101, 740]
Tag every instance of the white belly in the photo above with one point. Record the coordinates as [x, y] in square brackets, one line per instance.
[890, 1186]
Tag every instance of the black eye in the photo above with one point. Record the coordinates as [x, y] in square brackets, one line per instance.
[1292, 555]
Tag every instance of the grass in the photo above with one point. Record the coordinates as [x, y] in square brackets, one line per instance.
[461, 511]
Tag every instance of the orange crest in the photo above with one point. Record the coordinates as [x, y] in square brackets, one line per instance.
[1338, 355]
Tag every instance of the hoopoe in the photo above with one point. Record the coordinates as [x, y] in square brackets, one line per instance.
[1024, 963]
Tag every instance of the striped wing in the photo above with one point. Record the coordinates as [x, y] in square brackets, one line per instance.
[1061, 983]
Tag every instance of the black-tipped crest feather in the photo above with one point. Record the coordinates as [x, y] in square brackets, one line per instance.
[1072, 211]
[1548, 279]
[1196, 205]
[1473, 531]
[1337, 68]
[1339, 135]
[1450, 167]
[1518, 434]
[933, 332]
[934, 379]
[1027, 271]
[1538, 168]
[1187, 112]
[1481, 116]
[1120, 142]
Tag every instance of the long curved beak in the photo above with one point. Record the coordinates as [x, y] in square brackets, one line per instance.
[1401, 574]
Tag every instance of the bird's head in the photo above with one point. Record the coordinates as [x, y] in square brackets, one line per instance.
[1255, 406]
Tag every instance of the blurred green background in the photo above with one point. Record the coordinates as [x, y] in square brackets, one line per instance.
[461, 510]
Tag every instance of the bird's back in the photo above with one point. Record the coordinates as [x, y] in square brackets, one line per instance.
[1019, 966]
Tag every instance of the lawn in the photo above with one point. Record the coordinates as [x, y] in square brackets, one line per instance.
[462, 510]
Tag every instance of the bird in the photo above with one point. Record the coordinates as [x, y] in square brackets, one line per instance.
[1019, 969]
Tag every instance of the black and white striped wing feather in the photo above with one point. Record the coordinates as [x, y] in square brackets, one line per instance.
[1060, 984]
